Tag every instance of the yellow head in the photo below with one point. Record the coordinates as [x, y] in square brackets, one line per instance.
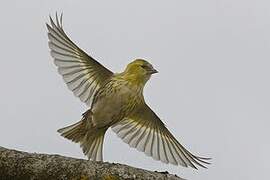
[139, 71]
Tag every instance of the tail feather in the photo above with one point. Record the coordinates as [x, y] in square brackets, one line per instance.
[90, 139]
[74, 132]
[92, 145]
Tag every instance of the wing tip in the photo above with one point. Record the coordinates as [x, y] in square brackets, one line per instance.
[201, 161]
[59, 21]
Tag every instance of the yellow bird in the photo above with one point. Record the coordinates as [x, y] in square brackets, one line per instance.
[116, 100]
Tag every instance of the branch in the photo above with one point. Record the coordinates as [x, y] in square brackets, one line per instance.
[22, 165]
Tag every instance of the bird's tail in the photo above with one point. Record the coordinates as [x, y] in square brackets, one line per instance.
[90, 139]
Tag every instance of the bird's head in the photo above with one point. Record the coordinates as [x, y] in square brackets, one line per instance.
[139, 71]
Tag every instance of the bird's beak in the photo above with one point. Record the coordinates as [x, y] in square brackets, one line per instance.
[153, 71]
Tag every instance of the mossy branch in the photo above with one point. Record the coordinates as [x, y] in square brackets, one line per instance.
[22, 165]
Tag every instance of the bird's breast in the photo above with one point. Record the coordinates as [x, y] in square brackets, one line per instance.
[114, 102]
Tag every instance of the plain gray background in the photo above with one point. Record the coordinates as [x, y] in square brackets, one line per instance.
[212, 90]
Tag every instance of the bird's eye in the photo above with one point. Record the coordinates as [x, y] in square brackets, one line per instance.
[144, 66]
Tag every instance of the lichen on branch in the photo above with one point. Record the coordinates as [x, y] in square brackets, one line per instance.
[22, 165]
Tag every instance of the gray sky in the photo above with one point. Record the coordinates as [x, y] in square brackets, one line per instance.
[212, 90]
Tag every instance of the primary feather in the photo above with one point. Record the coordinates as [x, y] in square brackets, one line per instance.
[82, 74]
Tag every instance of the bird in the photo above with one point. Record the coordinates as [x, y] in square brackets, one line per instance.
[115, 101]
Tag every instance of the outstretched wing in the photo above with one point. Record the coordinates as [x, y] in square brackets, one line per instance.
[145, 131]
[82, 74]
